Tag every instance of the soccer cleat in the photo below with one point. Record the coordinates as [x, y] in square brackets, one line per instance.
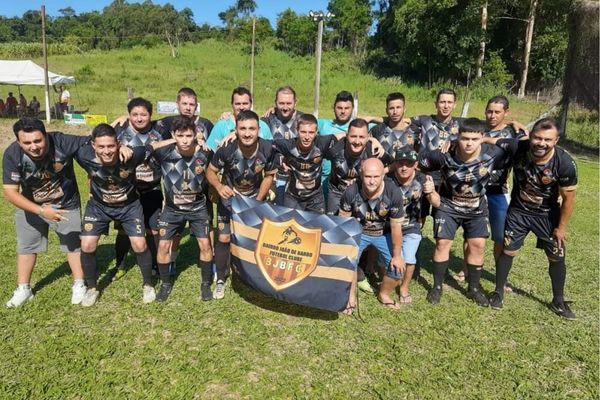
[478, 297]
[78, 292]
[205, 291]
[219, 292]
[365, 286]
[164, 292]
[149, 295]
[434, 295]
[562, 309]
[90, 297]
[495, 300]
[20, 296]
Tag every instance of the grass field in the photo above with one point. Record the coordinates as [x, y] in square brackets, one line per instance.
[253, 347]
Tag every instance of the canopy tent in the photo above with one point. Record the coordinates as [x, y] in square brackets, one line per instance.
[26, 72]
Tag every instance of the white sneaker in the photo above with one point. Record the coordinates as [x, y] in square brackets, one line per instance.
[90, 297]
[219, 292]
[149, 294]
[78, 292]
[20, 296]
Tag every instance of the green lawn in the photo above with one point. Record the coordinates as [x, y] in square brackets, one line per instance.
[251, 346]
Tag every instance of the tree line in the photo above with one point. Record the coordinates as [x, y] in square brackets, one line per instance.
[420, 41]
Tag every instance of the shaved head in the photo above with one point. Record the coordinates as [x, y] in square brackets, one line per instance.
[372, 176]
[371, 163]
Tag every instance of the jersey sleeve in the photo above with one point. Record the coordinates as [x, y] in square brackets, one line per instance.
[346, 200]
[69, 144]
[217, 135]
[512, 146]
[10, 167]
[567, 172]
[325, 142]
[396, 207]
[139, 154]
[218, 161]
[431, 160]
[265, 131]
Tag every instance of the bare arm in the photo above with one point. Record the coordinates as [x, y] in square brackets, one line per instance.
[12, 194]
[162, 143]
[429, 189]
[566, 210]
[265, 186]
[344, 213]
[212, 178]
[397, 262]
[119, 121]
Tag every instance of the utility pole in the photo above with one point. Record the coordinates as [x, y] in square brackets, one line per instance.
[318, 16]
[44, 47]
[252, 58]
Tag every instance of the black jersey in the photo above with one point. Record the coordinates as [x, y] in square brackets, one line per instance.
[184, 177]
[345, 167]
[242, 174]
[280, 129]
[462, 187]
[147, 173]
[536, 187]
[49, 180]
[392, 140]
[306, 168]
[163, 126]
[111, 185]
[374, 215]
[411, 201]
[498, 184]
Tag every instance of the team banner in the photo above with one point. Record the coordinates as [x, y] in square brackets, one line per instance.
[296, 256]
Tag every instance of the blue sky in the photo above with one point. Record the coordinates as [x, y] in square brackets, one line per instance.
[204, 10]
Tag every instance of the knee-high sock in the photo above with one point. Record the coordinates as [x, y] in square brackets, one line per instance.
[503, 266]
[90, 271]
[144, 260]
[439, 272]
[222, 260]
[122, 246]
[558, 274]
[474, 276]
[205, 271]
[163, 272]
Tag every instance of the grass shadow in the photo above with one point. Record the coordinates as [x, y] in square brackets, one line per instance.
[268, 303]
[58, 272]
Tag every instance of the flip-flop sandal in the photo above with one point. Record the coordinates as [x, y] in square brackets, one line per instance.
[460, 276]
[392, 305]
[406, 299]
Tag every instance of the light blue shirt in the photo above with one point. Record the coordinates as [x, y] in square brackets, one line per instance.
[225, 126]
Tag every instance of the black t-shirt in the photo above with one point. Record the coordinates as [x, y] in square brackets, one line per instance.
[280, 129]
[245, 174]
[536, 187]
[111, 185]
[163, 126]
[376, 214]
[433, 134]
[184, 177]
[147, 174]
[305, 168]
[51, 179]
[411, 201]
[392, 140]
[462, 186]
[498, 183]
[345, 167]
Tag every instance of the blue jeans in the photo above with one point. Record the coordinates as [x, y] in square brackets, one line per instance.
[383, 244]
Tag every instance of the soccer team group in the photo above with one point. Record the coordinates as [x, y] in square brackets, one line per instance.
[388, 172]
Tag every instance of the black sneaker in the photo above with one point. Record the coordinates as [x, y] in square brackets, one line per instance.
[434, 295]
[495, 300]
[164, 292]
[205, 291]
[562, 309]
[478, 297]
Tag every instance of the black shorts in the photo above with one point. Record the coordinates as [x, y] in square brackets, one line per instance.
[519, 223]
[314, 203]
[224, 216]
[98, 216]
[173, 221]
[445, 225]
[152, 202]
[333, 201]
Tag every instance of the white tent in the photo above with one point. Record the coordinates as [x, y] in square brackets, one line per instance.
[26, 72]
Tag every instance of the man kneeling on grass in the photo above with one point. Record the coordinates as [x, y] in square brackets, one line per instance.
[377, 205]
[183, 167]
[114, 198]
[414, 185]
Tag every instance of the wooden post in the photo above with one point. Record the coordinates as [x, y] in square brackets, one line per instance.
[45, 50]
[129, 94]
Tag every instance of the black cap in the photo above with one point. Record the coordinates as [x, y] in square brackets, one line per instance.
[405, 154]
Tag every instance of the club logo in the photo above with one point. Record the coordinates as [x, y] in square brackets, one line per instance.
[199, 169]
[287, 252]
[483, 171]
[58, 166]
[88, 227]
[162, 232]
[123, 173]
